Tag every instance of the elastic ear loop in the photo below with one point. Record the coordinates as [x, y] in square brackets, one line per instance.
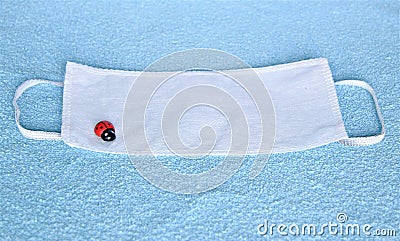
[368, 140]
[32, 134]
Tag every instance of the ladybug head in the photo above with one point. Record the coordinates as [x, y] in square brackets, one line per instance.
[108, 135]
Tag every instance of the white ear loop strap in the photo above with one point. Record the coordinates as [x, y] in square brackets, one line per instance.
[37, 135]
[368, 140]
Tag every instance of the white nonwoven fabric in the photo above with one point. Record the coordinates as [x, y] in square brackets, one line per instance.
[304, 111]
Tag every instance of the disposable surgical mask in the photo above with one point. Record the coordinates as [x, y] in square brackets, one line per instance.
[299, 110]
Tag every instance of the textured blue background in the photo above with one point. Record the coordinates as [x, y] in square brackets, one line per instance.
[49, 191]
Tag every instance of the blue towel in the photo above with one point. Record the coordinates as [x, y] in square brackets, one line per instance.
[50, 191]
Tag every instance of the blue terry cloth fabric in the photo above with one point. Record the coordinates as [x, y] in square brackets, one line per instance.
[49, 191]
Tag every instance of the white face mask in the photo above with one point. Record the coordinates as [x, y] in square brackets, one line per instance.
[304, 113]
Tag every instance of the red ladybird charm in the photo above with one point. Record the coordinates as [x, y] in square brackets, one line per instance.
[105, 130]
